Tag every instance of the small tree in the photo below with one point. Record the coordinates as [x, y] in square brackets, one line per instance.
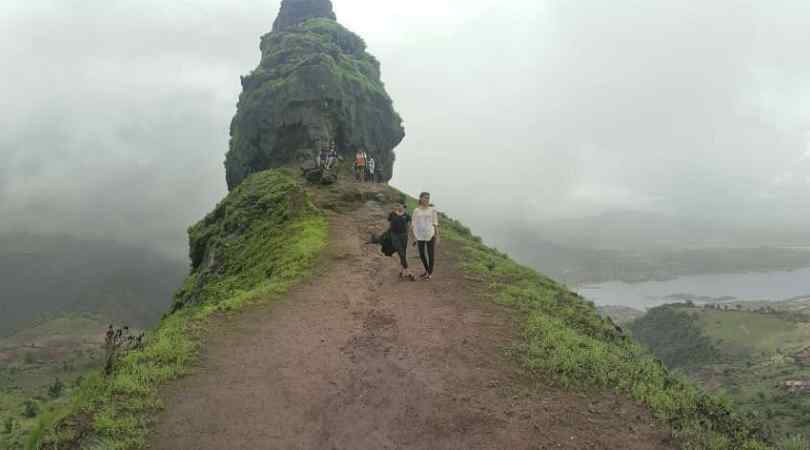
[55, 390]
[30, 409]
[119, 342]
[8, 425]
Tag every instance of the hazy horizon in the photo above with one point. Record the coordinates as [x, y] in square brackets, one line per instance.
[116, 115]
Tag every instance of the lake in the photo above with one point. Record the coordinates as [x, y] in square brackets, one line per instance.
[701, 288]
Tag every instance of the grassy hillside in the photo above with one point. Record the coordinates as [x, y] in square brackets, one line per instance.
[41, 365]
[256, 243]
[753, 354]
[564, 339]
[62, 347]
[267, 234]
[677, 337]
[622, 315]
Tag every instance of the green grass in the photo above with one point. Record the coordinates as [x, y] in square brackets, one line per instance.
[64, 351]
[11, 406]
[677, 337]
[562, 337]
[754, 332]
[755, 353]
[264, 237]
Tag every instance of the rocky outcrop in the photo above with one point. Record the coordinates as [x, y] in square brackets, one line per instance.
[316, 84]
[294, 12]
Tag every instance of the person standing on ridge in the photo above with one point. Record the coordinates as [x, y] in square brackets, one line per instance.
[360, 165]
[331, 158]
[426, 232]
[371, 166]
[400, 225]
[322, 162]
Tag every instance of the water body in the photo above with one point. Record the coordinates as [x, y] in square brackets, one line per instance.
[718, 287]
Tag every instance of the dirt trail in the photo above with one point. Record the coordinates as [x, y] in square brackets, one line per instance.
[358, 360]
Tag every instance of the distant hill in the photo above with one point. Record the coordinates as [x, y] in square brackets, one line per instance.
[758, 354]
[620, 314]
[797, 306]
[645, 230]
[43, 275]
[577, 263]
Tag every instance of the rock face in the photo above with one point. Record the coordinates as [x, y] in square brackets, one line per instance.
[294, 12]
[315, 85]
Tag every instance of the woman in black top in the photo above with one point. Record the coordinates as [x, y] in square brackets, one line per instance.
[400, 226]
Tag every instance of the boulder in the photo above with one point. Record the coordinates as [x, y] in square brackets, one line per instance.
[329, 177]
[315, 85]
[311, 172]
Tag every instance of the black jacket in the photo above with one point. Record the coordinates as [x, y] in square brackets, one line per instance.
[386, 244]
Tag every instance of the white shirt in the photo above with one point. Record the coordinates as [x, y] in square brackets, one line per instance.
[424, 221]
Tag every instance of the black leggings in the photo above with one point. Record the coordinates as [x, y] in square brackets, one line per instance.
[400, 242]
[427, 259]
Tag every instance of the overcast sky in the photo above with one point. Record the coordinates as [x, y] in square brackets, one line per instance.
[114, 114]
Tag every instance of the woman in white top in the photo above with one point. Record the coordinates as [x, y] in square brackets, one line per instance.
[425, 225]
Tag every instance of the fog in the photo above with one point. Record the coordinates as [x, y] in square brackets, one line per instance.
[115, 114]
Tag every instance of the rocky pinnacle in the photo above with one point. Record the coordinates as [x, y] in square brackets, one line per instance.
[294, 12]
[316, 86]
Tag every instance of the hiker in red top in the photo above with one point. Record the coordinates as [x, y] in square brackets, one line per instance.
[360, 165]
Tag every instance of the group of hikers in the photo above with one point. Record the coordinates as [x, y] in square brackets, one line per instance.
[421, 227]
[364, 166]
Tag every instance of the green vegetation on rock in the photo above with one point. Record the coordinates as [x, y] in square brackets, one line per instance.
[262, 238]
[315, 84]
[255, 242]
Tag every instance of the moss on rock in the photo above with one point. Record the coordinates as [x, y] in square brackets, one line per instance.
[235, 248]
[315, 84]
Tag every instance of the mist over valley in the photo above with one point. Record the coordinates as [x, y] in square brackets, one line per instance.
[624, 183]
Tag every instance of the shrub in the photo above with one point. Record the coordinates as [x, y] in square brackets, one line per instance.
[8, 425]
[30, 409]
[117, 343]
[674, 337]
[795, 443]
[55, 390]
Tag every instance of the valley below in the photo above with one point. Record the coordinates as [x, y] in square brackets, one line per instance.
[41, 365]
[755, 353]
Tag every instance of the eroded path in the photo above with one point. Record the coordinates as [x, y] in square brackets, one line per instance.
[357, 360]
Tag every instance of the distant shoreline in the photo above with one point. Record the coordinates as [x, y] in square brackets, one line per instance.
[639, 280]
